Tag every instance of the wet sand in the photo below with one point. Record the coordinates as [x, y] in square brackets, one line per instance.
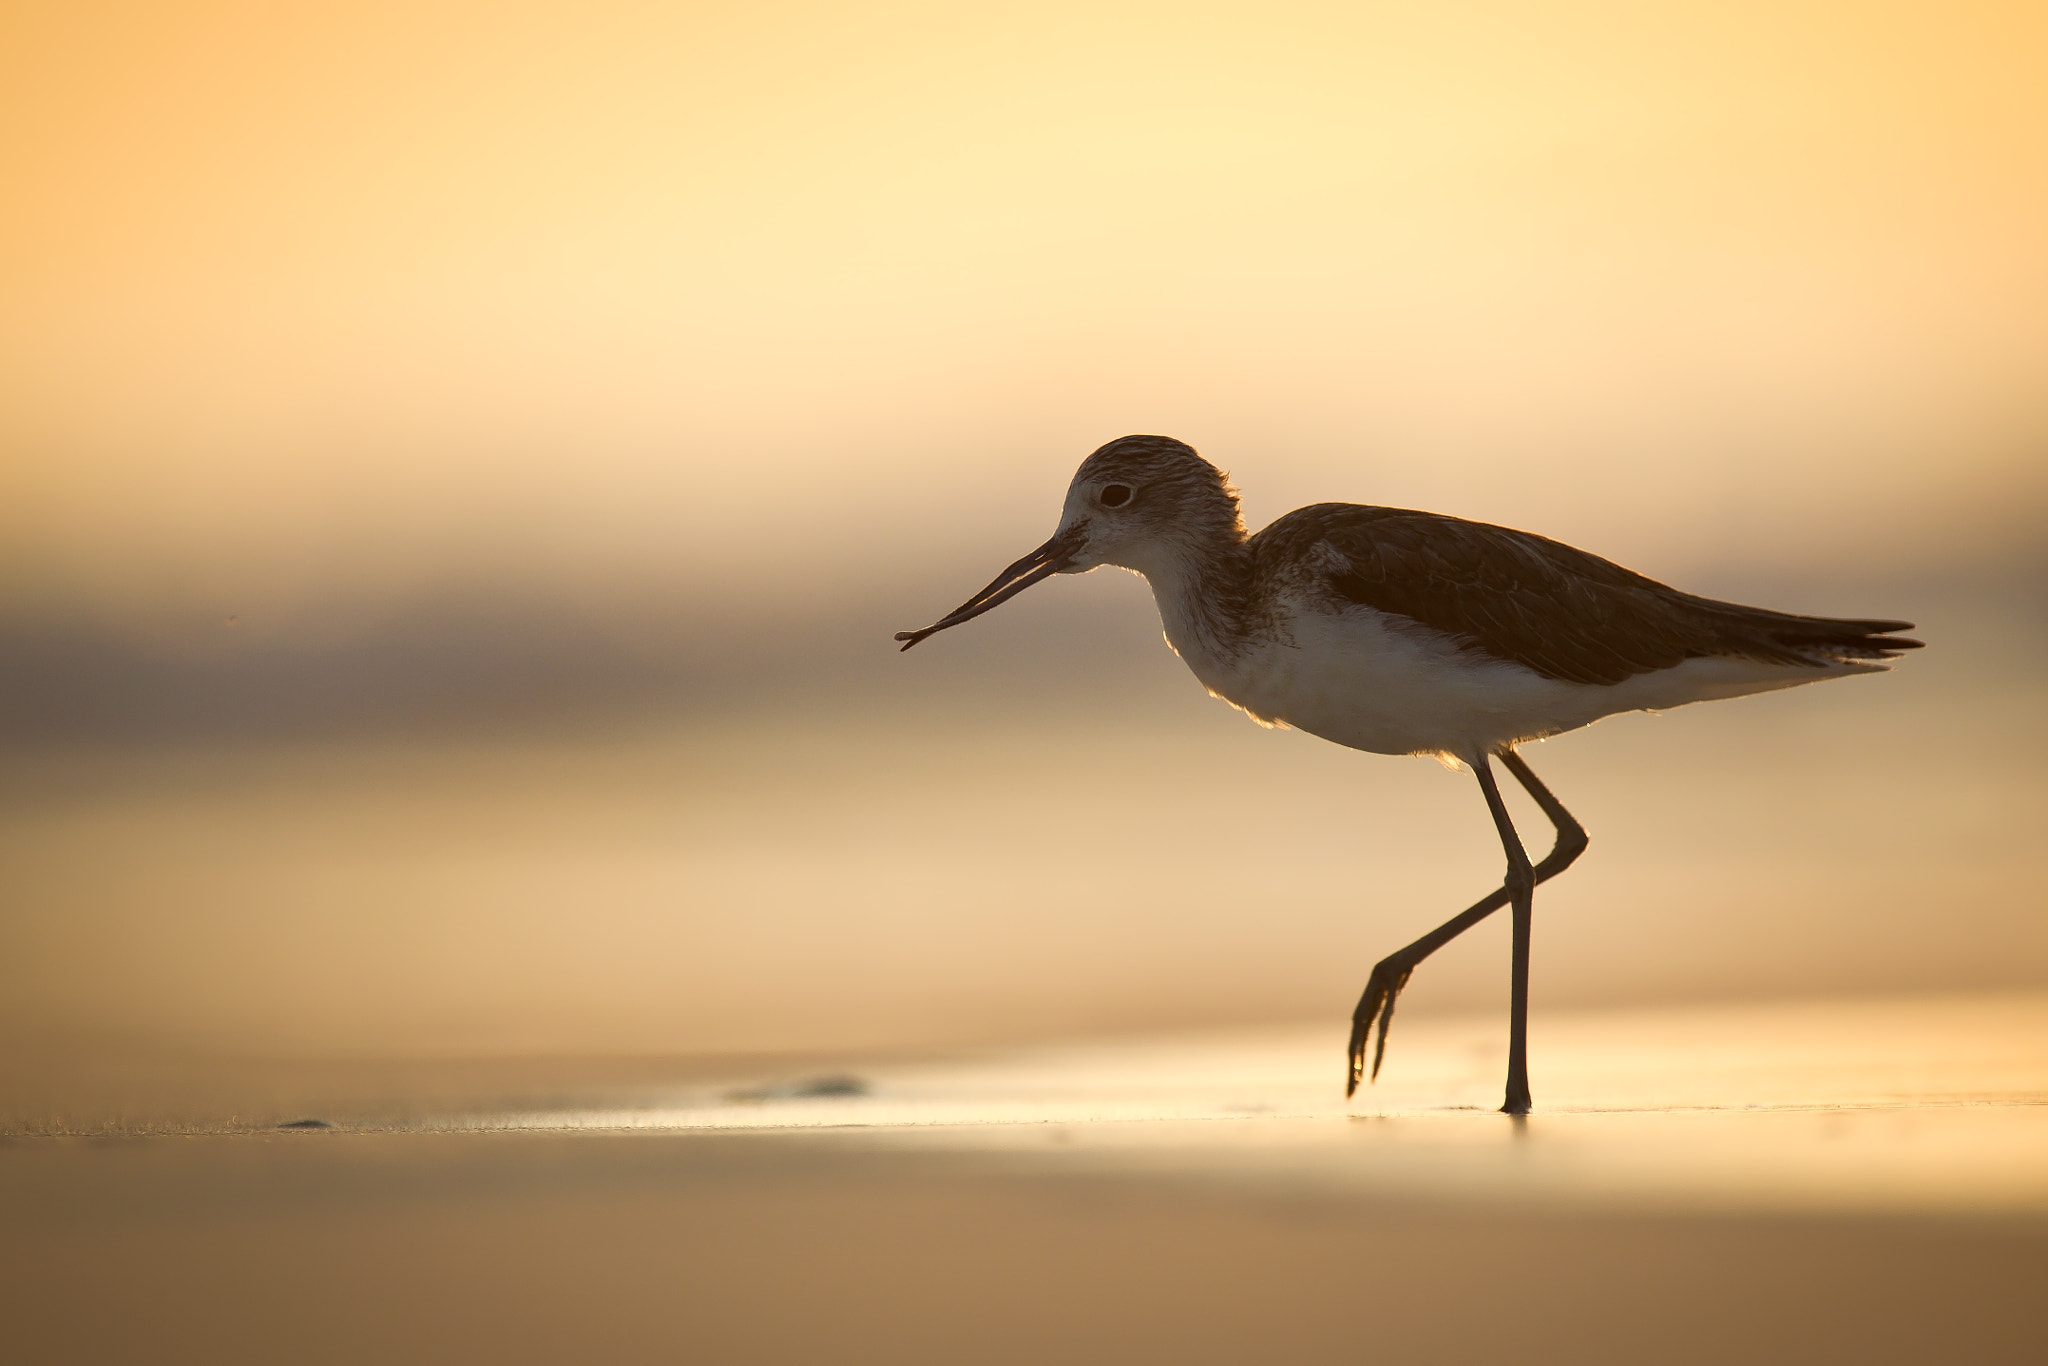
[1810, 1182]
[579, 1248]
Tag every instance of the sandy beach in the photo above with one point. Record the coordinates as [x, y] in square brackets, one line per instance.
[1795, 1183]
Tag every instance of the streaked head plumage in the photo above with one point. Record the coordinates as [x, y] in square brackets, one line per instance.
[1140, 494]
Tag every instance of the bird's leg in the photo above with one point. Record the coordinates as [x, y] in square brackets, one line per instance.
[1571, 836]
[1391, 973]
[1520, 885]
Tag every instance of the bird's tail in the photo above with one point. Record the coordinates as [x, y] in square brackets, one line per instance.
[1781, 637]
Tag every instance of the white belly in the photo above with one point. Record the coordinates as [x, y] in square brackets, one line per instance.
[1351, 678]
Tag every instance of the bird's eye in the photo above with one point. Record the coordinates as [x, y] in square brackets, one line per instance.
[1115, 495]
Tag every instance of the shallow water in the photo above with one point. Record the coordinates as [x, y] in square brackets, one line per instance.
[1791, 1183]
[530, 987]
[1900, 1104]
[1929, 1104]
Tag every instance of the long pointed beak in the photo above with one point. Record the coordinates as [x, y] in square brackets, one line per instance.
[1042, 563]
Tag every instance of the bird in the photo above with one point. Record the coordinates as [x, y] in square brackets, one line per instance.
[1414, 633]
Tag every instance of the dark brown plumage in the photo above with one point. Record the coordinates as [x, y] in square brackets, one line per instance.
[1542, 604]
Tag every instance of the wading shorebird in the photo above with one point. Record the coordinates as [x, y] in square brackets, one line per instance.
[1401, 632]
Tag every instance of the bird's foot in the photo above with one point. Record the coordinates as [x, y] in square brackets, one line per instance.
[1389, 975]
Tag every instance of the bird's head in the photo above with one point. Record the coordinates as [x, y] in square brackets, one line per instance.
[1139, 502]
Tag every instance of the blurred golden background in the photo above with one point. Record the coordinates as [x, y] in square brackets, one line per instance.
[460, 466]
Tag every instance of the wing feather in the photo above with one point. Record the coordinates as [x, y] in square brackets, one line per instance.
[1552, 608]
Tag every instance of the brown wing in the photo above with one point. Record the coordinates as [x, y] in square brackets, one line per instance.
[1536, 602]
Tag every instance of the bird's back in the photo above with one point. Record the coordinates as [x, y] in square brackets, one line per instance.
[1524, 599]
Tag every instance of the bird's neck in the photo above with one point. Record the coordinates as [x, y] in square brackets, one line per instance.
[1204, 591]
